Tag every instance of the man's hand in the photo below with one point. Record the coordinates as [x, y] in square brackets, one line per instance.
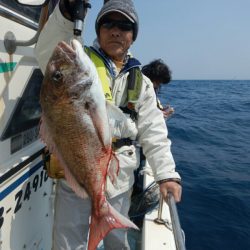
[173, 187]
[167, 111]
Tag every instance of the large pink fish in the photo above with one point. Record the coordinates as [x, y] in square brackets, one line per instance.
[76, 129]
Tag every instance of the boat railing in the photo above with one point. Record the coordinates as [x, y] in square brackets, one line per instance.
[178, 233]
[14, 16]
[10, 41]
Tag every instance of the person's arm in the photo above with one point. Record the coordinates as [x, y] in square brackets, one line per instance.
[57, 29]
[152, 135]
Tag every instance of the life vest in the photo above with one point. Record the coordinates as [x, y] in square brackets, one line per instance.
[134, 82]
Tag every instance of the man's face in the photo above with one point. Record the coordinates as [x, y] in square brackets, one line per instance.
[113, 40]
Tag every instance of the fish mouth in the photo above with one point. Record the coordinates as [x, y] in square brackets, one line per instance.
[75, 44]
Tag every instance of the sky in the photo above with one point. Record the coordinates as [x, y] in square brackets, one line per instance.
[198, 39]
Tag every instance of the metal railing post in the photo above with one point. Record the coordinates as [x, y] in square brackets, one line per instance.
[159, 217]
[178, 233]
[174, 226]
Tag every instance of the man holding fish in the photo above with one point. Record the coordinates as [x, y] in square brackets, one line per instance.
[94, 113]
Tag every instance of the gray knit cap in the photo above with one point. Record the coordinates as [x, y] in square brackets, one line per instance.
[125, 7]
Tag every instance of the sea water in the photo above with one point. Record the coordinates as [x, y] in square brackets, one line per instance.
[210, 134]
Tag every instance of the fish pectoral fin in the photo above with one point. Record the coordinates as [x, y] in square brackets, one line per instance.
[113, 169]
[101, 225]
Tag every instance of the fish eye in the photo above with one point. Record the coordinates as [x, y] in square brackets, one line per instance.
[57, 76]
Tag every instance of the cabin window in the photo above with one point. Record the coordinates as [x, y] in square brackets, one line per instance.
[27, 112]
[32, 13]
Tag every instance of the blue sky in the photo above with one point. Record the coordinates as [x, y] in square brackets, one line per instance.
[198, 39]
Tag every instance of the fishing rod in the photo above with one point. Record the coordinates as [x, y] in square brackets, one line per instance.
[79, 12]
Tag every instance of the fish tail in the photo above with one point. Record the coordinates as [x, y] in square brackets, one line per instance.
[102, 225]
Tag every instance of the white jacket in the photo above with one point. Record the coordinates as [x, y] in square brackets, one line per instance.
[150, 128]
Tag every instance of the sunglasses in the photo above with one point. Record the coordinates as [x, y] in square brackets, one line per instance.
[122, 25]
